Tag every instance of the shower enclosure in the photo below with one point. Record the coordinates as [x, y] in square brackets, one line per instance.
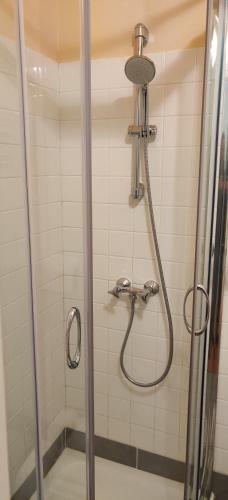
[113, 175]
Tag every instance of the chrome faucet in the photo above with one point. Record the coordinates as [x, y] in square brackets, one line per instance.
[123, 285]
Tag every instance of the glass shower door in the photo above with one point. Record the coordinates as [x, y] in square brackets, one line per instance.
[208, 264]
[53, 96]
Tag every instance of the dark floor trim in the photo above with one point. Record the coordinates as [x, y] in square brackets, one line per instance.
[162, 466]
[75, 439]
[220, 486]
[104, 448]
[129, 455]
[54, 452]
[117, 452]
[28, 487]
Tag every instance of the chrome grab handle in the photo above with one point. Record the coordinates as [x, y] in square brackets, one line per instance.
[73, 313]
[188, 326]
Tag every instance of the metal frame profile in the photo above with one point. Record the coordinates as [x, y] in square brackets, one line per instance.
[86, 129]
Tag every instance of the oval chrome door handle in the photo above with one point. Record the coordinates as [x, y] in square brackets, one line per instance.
[188, 326]
[74, 313]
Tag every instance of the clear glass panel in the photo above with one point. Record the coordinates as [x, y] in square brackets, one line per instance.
[53, 101]
[15, 291]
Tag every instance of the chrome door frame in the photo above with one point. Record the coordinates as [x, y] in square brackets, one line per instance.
[86, 130]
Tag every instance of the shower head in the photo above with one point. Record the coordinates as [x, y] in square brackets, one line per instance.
[140, 70]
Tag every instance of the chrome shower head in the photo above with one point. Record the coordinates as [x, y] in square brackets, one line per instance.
[140, 70]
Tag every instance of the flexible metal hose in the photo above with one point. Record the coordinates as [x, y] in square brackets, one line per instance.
[163, 286]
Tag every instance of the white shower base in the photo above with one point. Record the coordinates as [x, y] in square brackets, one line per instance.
[66, 481]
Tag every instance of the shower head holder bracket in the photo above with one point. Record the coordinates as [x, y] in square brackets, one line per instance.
[147, 132]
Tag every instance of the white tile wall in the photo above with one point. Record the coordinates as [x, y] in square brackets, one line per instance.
[150, 419]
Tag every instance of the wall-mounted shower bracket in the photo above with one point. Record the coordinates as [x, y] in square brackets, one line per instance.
[123, 285]
[138, 192]
[141, 36]
[148, 132]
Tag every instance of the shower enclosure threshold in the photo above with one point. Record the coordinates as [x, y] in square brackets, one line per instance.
[66, 481]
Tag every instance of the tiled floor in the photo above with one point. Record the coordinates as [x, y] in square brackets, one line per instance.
[66, 481]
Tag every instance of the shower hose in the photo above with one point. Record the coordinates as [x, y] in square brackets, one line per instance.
[163, 286]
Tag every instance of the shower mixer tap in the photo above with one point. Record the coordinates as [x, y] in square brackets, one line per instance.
[123, 285]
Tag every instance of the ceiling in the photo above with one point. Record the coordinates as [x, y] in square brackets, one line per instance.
[53, 26]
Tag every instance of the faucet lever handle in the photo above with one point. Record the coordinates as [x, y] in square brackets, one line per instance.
[123, 283]
[152, 287]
